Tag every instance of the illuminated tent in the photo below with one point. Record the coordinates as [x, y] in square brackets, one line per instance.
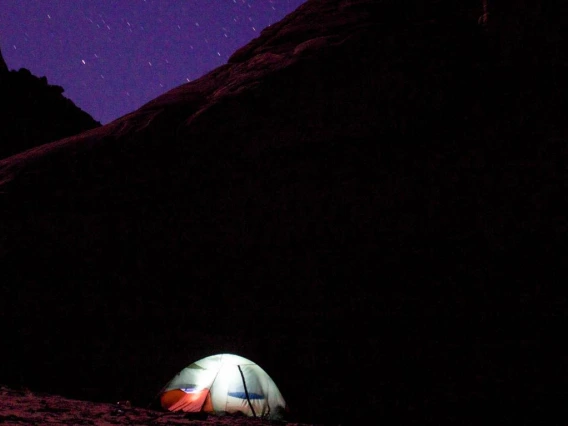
[224, 383]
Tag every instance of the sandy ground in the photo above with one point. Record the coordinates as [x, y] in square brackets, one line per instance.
[24, 407]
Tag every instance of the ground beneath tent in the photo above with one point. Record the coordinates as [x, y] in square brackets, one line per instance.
[23, 407]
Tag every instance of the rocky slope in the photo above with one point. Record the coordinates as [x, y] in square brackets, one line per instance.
[365, 200]
[35, 112]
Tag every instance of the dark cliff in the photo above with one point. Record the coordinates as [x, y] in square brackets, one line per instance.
[35, 112]
[365, 200]
[3, 66]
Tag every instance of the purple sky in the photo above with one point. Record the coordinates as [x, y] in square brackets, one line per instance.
[112, 56]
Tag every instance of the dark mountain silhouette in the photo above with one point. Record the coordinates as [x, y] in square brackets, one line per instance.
[35, 112]
[3, 66]
[367, 200]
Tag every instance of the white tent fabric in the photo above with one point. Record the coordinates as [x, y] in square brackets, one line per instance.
[228, 383]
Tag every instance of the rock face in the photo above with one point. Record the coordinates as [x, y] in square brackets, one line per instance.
[35, 112]
[3, 66]
[364, 200]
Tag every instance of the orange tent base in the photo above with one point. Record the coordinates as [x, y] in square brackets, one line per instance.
[193, 402]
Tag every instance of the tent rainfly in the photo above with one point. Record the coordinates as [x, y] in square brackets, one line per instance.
[224, 383]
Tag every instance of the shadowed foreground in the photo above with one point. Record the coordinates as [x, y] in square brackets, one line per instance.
[28, 408]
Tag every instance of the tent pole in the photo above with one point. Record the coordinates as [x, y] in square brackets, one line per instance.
[246, 391]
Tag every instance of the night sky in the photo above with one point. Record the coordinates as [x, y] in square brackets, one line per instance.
[112, 56]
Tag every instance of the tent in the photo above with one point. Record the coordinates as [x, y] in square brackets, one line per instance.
[224, 383]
